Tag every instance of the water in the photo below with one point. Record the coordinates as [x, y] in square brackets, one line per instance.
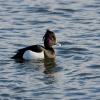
[75, 73]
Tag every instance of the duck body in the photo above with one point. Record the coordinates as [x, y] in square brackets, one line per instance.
[38, 51]
[30, 52]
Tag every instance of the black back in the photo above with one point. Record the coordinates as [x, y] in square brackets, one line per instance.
[20, 52]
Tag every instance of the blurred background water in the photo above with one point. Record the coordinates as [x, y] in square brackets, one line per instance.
[75, 73]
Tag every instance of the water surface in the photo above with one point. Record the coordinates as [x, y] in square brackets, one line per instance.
[75, 73]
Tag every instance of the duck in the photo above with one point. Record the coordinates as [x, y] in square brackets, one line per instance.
[38, 51]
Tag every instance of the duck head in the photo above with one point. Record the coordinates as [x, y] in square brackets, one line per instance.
[49, 39]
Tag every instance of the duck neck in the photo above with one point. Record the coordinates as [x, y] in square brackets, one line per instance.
[49, 52]
[48, 47]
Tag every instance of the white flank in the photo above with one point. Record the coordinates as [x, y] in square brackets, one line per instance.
[29, 55]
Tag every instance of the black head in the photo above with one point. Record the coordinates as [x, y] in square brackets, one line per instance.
[49, 39]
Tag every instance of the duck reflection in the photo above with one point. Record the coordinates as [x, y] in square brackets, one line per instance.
[49, 65]
[49, 71]
[46, 66]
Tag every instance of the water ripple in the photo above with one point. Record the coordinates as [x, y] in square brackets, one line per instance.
[74, 74]
[96, 66]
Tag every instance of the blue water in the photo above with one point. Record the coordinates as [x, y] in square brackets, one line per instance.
[75, 73]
